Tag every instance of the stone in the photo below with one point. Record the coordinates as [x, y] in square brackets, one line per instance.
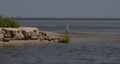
[26, 33]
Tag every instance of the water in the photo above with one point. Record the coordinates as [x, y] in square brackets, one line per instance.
[80, 50]
[80, 26]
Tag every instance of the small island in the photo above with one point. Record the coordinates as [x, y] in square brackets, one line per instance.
[12, 34]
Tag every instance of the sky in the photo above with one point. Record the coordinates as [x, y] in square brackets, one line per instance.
[61, 8]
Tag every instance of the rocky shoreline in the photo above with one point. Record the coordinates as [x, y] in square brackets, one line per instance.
[26, 35]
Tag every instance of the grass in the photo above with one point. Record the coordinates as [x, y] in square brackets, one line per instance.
[5, 22]
[65, 38]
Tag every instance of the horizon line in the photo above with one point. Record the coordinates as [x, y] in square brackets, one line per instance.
[65, 18]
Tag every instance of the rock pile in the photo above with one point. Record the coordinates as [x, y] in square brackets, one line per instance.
[26, 33]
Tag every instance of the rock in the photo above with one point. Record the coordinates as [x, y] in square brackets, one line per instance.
[18, 35]
[1, 35]
[30, 32]
[26, 33]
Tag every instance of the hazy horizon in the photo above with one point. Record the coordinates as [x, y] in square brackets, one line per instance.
[61, 8]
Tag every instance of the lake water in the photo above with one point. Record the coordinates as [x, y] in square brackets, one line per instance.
[79, 26]
[81, 50]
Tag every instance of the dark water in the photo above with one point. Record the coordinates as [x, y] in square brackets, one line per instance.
[80, 26]
[80, 50]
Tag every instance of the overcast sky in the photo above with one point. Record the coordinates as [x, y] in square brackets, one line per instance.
[61, 8]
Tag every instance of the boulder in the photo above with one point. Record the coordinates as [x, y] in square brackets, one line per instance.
[30, 32]
[26, 33]
[20, 33]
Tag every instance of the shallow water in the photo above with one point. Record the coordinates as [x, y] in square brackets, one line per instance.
[85, 50]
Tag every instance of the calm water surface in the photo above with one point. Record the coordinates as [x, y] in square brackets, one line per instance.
[80, 26]
[80, 50]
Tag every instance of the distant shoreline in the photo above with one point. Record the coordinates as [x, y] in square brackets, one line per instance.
[37, 18]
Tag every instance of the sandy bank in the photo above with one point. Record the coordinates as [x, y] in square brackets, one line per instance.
[22, 43]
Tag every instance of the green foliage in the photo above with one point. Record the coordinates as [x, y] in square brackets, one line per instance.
[65, 39]
[5, 22]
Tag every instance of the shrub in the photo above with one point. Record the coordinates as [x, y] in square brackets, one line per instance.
[5, 22]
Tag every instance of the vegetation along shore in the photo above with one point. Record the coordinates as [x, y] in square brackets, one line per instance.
[12, 34]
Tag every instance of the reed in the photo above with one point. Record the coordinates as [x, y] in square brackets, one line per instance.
[5, 22]
[65, 38]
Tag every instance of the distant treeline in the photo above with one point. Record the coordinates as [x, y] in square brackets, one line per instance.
[21, 18]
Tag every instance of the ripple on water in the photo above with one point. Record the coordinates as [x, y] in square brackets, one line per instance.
[85, 52]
